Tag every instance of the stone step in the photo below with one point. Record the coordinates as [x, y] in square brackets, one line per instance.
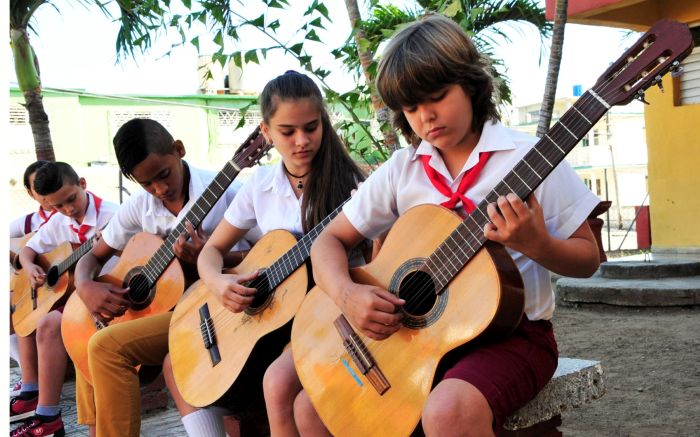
[653, 269]
[574, 383]
[683, 291]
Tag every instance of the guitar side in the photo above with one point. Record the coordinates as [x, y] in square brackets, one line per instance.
[77, 323]
[236, 333]
[484, 298]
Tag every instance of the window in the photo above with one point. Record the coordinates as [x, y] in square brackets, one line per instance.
[596, 137]
[585, 142]
[18, 115]
[689, 81]
[118, 118]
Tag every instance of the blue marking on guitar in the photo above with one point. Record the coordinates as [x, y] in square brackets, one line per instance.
[352, 372]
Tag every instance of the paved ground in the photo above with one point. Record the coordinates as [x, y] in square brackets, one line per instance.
[159, 423]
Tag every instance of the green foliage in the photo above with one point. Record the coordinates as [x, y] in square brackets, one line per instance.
[222, 22]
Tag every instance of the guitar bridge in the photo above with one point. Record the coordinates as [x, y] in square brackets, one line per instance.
[361, 356]
[206, 326]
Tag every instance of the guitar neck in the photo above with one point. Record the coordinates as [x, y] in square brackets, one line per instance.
[248, 154]
[299, 253]
[74, 257]
[196, 214]
[449, 258]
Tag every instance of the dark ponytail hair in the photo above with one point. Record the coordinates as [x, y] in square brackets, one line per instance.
[333, 172]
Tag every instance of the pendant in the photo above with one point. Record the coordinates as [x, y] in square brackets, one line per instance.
[300, 185]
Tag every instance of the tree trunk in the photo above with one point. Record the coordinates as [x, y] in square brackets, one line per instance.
[27, 70]
[391, 141]
[39, 122]
[550, 89]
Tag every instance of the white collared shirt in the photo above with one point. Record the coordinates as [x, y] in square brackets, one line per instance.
[143, 212]
[401, 183]
[17, 225]
[58, 229]
[268, 202]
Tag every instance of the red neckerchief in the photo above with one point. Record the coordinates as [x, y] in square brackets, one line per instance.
[440, 183]
[84, 228]
[45, 218]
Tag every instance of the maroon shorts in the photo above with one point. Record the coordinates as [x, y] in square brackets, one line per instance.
[509, 373]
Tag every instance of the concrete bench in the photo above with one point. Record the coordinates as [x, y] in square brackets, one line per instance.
[574, 383]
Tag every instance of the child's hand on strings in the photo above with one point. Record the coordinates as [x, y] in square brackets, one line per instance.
[517, 225]
[187, 251]
[372, 310]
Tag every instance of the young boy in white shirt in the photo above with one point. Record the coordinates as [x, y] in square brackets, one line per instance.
[43, 356]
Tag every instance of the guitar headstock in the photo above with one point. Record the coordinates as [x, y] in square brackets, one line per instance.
[252, 150]
[644, 64]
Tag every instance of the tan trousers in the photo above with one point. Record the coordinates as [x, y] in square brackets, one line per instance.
[113, 402]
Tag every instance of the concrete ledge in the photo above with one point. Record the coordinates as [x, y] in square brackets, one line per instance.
[649, 269]
[683, 291]
[574, 383]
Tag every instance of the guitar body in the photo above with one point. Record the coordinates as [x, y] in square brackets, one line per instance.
[26, 309]
[78, 324]
[485, 297]
[201, 382]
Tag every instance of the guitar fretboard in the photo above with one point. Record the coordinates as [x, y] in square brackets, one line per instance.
[456, 251]
[75, 256]
[298, 254]
[203, 205]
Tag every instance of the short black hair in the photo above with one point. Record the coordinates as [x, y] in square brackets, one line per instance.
[34, 166]
[51, 176]
[138, 138]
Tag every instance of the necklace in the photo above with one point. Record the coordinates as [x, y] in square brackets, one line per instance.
[300, 182]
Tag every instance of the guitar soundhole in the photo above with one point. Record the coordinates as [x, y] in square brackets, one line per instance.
[264, 295]
[52, 276]
[423, 305]
[140, 291]
[418, 290]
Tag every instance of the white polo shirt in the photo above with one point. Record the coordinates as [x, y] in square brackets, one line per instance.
[143, 212]
[58, 229]
[267, 201]
[17, 225]
[401, 183]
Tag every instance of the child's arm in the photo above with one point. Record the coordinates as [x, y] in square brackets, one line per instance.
[103, 300]
[371, 309]
[227, 288]
[36, 274]
[520, 226]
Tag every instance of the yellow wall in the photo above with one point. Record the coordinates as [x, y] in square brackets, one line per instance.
[673, 140]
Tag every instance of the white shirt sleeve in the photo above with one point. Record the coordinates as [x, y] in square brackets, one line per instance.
[241, 211]
[373, 208]
[17, 227]
[125, 223]
[47, 237]
[566, 201]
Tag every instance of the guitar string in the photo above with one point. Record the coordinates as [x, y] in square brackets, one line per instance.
[224, 316]
[147, 278]
[27, 294]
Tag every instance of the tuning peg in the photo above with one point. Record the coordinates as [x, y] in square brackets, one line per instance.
[676, 69]
[658, 82]
[640, 97]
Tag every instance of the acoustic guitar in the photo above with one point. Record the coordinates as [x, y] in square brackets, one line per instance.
[28, 304]
[210, 345]
[147, 265]
[450, 277]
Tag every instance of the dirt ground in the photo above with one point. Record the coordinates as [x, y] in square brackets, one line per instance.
[651, 357]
